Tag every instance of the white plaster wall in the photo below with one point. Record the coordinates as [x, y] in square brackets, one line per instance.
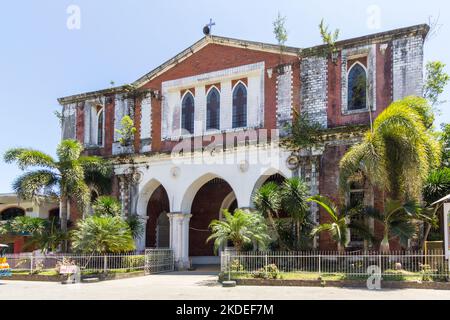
[146, 122]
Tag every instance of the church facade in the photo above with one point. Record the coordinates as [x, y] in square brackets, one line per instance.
[208, 123]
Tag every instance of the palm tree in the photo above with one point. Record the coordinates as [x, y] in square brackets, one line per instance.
[241, 228]
[397, 220]
[102, 234]
[71, 174]
[340, 222]
[267, 201]
[107, 205]
[294, 201]
[398, 153]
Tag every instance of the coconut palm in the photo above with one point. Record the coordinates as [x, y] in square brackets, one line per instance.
[340, 223]
[102, 234]
[397, 220]
[241, 228]
[294, 201]
[398, 153]
[70, 176]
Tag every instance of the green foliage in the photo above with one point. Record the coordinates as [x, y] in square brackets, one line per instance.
[241, 228]
[399, 152]
[136, 225]
[270, 271]
[398, 220]
[340, 222]
[291, 197]
[328, 37]
[237, 266]
[303, 133]
[41, 233]
[445, 140]
[48, 240]
[107, 206]
[127, 131]
[279, 29]
[437, 185]
[436, 79]
[134, 262]
[105, 234]
[70, 176]
[24, 225]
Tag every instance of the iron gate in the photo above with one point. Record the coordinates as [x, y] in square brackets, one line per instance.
[159, 261]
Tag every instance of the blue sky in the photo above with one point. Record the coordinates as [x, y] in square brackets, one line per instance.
[41, 59]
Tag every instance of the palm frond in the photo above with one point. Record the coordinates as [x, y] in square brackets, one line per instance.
[26, 158]
[33, 185]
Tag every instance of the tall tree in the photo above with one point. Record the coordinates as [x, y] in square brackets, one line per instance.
[436, 79]
[294, 201]
[399, 152]
[267, 201]
[68, 177]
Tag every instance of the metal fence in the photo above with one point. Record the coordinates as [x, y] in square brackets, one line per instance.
[159, 261]
[89, 263]
[429, 264]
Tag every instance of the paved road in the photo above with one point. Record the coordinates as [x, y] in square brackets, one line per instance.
[193, 287]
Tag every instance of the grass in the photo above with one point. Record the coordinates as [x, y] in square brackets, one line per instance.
[53, 272]
[394, 275]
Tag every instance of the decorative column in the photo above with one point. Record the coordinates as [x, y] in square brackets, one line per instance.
[179, 238]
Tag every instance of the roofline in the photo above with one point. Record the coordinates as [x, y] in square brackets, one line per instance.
[421, 29]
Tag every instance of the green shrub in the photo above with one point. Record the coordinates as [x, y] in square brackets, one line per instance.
[236, 266]
[134, 262]
[268, 272]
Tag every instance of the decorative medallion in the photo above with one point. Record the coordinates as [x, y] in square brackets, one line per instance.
[293, 162]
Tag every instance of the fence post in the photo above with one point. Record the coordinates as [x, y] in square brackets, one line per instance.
[380, 264]
[266, 264]
[31, 263]
[320, 267]
[105, 264]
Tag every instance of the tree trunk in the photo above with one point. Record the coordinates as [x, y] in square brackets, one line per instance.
[384, 246]
[275, 229]
[63, 214]
[425, 236]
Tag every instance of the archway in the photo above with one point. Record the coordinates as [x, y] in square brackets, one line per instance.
[214, 196]
[11, 213]
[158, 228]
[53, 215]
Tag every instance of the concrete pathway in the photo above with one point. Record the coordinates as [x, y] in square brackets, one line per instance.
[194, 286]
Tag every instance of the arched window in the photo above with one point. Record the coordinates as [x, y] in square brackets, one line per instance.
[100, 121]
[357, 88]
[240, 106]
[11, 213]
[213, 110]
[187, 113]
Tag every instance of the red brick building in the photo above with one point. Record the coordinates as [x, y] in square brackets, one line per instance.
[208, 121]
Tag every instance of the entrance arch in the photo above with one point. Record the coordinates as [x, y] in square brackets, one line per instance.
[212, 195]
[11, 213]
[157, 233]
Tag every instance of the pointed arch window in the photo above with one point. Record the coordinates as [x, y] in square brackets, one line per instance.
[357, 88]
[187, 113]
[213, 110]
[100, 123]
[240, 106]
